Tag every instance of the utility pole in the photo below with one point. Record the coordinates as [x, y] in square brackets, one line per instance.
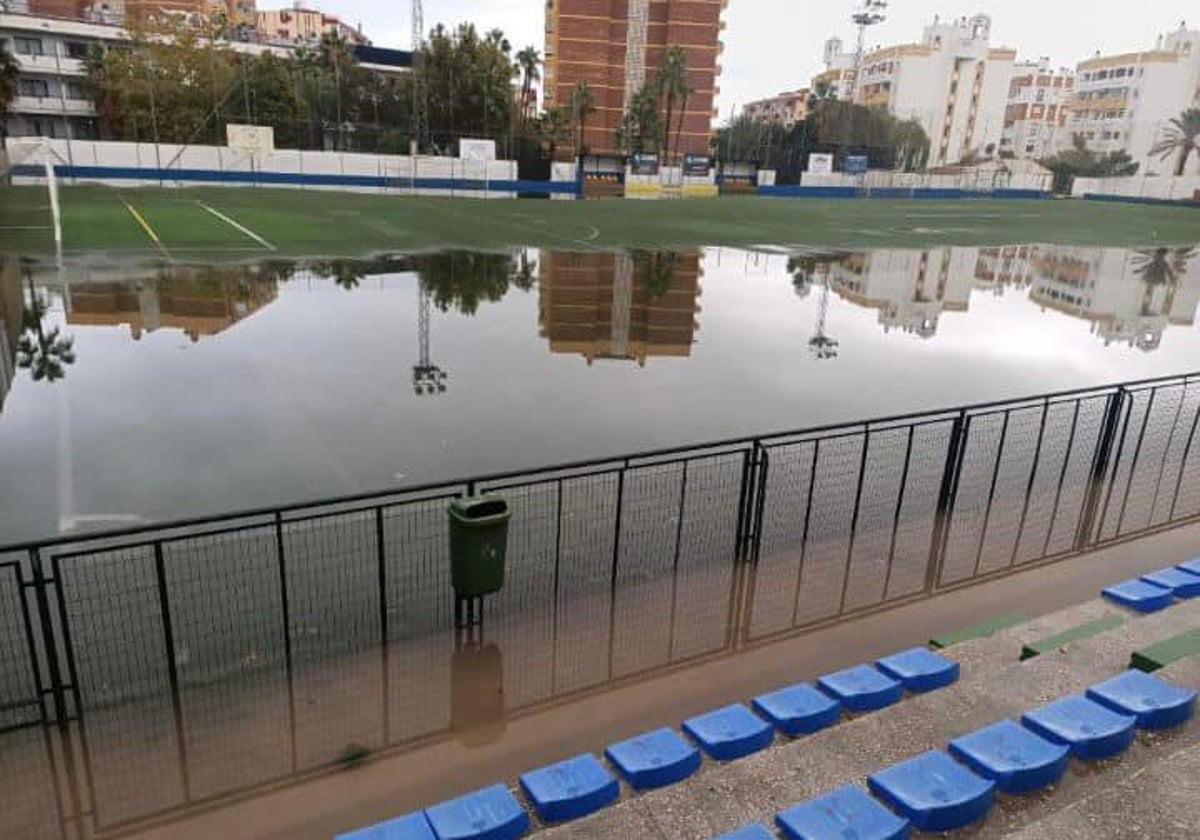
[420, 111]
[870, 14]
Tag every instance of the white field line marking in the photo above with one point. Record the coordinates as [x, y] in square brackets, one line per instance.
[595, 233]
[25, 227]
[239, 227]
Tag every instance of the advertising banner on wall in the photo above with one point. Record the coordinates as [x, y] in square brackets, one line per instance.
[855, 164]
[644, 163]
[819, 164]
[696, 165]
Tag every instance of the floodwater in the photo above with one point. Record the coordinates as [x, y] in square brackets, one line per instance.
[227, 682]
[194, 390]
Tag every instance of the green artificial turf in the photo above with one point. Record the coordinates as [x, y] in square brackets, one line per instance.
[319, 223]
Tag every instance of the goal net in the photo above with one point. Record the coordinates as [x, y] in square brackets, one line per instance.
[30, 217]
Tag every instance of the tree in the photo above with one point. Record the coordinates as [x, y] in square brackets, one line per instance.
[1081, 162]
[8, 87]
[528, 61]
[469, 80]
[583, 105]
[45, 353]
[553, 128]
[674, 89]
[641, 128]
[1181, 138]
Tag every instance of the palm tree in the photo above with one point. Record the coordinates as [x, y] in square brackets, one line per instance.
[1181, 138]
[528, 61]
[43, 353]
[8, 86]
[583, 104]
[673, 86]
[1161, 267]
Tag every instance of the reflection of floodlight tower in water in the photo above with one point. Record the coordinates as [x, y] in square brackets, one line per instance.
[870, 14]
[428, 379]
[822, 345]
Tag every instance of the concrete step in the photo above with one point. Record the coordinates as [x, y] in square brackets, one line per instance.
[995, 684]
[1149, 792]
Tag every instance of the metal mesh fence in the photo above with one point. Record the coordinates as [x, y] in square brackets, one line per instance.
[220, 655]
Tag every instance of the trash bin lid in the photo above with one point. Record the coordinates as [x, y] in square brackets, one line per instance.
[480, 509]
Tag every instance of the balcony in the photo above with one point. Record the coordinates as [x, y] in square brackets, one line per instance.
[39, 105]
[50, 65]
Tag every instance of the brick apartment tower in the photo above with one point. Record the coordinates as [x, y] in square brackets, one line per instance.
[615, 45]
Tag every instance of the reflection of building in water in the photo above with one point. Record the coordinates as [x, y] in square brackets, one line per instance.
[909, 289]
[1128, 296]
[998, 268]
[619, 306]
[11, 306]
[200, 302]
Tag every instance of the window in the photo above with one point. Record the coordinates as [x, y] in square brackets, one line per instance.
[1116, 135]
[1041, 95]
[75, 49]
[1029, 149]
[28, 46]
[76, 90]
[34, 87]
[1120, 73]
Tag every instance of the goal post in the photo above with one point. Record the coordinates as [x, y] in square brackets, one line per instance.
[33, 160]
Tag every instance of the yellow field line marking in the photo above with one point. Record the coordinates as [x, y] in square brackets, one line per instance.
[238, 226]
[146, 227]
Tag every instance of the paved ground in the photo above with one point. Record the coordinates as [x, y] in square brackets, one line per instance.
[222, 224]
[446, 765]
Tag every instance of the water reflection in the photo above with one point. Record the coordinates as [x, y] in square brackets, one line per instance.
[626, 307]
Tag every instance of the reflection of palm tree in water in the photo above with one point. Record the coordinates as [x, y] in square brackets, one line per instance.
[45, 353]
[1161, 267]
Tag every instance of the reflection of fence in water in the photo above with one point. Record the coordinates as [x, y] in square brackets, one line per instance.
[229, 653]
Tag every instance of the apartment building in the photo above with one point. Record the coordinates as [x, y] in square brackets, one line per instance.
[786, 109]
[953, 81]
[617, 45]
[837, 80]
[1035, 120]
[1127, 101]
[299, 25]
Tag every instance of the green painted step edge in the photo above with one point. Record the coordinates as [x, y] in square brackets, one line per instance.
[1107, 622]
[978, 631]
[1161, 654]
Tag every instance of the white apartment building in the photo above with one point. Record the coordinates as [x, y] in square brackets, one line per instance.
[908, 289]
[52, 95]
[1113, 289]
[954, 82]
[1035, 120]
[1126, 101]
[838, 78]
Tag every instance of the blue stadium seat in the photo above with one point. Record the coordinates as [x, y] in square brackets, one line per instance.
[862, 688]
[729, 733]
[1192, 566]
[654, 759]
[1155, 703]
[1139, 595]
[1090, 730]
[408, 827]
[489, 814]
[1182, 583]
[749, 832]
[846, 813]
[920, 669]
[799, 709]
[570, 789]
[1017, 760]
[934, 791]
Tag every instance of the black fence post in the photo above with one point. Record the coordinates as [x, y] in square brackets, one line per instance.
[54, 672]
[1101, 461]
[164, 605]
[947, 494]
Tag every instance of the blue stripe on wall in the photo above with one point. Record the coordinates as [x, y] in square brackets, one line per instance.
[217, 176]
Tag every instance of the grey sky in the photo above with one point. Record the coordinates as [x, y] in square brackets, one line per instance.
[775, 45]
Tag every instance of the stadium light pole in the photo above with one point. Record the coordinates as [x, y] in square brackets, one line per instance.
[870, 14]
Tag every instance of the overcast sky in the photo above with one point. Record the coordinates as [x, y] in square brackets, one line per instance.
[775, 45]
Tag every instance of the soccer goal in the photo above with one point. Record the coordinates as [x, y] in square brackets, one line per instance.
[29, 199]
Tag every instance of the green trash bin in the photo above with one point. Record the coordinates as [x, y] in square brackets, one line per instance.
[478, 543]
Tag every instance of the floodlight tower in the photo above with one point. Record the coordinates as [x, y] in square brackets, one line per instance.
[420, 115]
[870, 14]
